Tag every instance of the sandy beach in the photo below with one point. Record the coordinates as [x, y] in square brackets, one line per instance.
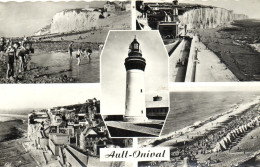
[199, 140]
[233, 47]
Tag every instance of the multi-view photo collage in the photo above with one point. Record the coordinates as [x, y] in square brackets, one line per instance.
[131, 83]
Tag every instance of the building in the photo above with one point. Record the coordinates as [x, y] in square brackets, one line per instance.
[157, 109]
[88, 139]
[169, 27]
[135, 93]
[110, 7]
[56, 140]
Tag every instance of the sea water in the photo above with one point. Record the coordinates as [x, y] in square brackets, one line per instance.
[189, 108]
[60, 63]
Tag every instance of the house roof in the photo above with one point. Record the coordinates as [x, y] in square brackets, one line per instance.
[156, 104]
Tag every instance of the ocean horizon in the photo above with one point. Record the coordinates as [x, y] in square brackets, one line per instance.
[189, 108]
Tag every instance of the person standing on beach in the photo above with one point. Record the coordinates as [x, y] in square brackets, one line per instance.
[78, 54]
[70, 50]
[2, 46]
[89, 52]
[21, 53]
[10, 57]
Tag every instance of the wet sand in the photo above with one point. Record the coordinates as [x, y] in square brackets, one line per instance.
[34, 75]
[41, 73]
[53, 70]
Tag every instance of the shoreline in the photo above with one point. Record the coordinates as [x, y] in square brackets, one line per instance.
[200, 124]
[37, 73]
[233, 46]
[205, 136]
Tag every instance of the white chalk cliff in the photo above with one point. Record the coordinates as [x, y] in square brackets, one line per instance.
[74, 20]
[209, 18]
[71, 20]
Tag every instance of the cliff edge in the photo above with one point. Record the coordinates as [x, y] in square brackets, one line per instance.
[209, 18]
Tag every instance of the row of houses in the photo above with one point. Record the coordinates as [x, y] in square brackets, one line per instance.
[72, 133]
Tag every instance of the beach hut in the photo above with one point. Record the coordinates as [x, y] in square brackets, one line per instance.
[241, 130]
[226, 141]
[218, 148]
[237, 131]
[223, 144]
[229, 137]
[244, 127]
[249, 125]
[233, 133]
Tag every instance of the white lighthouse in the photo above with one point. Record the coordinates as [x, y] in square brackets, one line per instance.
[135, 109]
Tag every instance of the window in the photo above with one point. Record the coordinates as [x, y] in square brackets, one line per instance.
[141, 90]
[136, 46]
[142, 112]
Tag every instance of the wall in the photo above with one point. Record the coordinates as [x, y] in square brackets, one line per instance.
[54, 148]
[82, 157]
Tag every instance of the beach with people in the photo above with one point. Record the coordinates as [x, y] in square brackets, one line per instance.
[44, 66]
[65, 47]
[207, 135]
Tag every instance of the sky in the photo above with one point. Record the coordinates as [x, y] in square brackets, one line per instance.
[19, 19]
[248, 7]
[113, 73]
[45, 95]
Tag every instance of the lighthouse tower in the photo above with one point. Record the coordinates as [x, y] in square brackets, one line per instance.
[135, 109]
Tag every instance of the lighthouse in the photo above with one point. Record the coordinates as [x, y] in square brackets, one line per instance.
[135, 109]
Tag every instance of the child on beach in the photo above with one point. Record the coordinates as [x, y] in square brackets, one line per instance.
[88, 53]
[78, 54]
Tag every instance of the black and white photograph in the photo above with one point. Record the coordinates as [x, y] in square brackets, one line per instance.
[134, 83]
[130, 83]
[216, 125]
[57, 42]
[53, 126]
[207, 40]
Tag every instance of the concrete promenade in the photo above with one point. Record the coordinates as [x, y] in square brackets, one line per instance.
[177, 73]
[169, 47]
[205, 66]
